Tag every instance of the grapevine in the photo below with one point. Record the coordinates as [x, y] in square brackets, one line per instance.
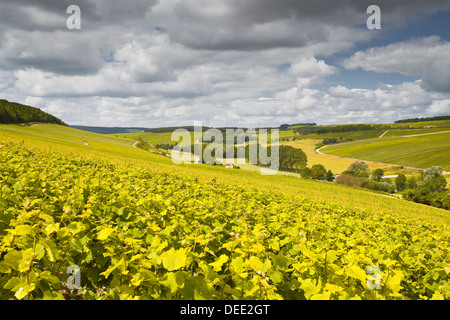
[139, 233]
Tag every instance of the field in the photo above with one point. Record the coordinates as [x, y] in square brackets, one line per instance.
[138, 226]
[149, 137]
[336, 165]
[416, 149]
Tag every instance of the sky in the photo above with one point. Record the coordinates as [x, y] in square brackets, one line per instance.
[247, 63]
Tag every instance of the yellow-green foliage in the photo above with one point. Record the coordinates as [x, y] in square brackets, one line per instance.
[140, 227]
[151, 235]
[110, 148]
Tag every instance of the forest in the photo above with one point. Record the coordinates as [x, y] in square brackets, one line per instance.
[12, 112]
[438, 118]
[338, 128]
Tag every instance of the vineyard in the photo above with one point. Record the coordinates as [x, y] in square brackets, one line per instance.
[140, 233]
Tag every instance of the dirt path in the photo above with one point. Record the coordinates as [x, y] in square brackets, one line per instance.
[382, 163]
[383, 134]
[424, 134]
[326, 154]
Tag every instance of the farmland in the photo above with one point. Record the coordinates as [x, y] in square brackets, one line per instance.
[337, 165]
[196, 231]
[417, 149]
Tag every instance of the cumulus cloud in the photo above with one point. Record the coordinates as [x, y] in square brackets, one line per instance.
[57, 53]
[426, 57]
[344, 105]
[255, 62]
[439, 107]
[259, 24]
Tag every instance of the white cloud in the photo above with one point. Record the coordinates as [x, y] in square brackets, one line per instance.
[440, 107]
[309, 70]
[426, 57]
[52, 52]
[255, 62]
[342, 105]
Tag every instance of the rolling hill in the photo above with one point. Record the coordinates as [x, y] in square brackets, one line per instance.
[12, 112]
[144, 228]
[109, 130]
[139, 226]
[417, 148]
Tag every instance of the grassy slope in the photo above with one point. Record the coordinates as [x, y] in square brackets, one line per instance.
[423, 124]
[355, 136]
[150, 137]
[336, 165]
[406, 132]
[68, 140]
[420, 151]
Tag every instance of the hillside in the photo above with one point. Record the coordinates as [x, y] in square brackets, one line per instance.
[146, 228]
[12, 112]
[424, 119]
[69, 140]
[109, 130]
[416, 148]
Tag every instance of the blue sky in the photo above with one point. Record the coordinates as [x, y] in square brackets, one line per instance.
[424, 25]
[151, 63]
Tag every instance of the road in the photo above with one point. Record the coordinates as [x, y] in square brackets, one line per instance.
[255, 168]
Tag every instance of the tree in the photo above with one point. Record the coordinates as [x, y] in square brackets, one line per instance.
[349, 180]
[290, 158]
[318, 172]
[329, 176]
[429, 189]
[432, 180]
[358, 169]
[411, 183]
[377, 174]
[305, 172]
[12, 112]
[400, 182]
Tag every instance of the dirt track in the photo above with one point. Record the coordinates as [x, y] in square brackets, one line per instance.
[374, 162]
[368, 161]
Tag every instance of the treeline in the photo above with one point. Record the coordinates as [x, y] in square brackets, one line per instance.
[328, 141]
[317, 172]
[165, 146]
[108, 130]
[289, 158]
[192, 129]
[172, 129]
[12, 113]
[286, 126]
[339, 128]
[424, 119]
[359, 175]
[429, 188]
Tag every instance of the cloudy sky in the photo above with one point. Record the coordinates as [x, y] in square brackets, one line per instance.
[248, 63]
